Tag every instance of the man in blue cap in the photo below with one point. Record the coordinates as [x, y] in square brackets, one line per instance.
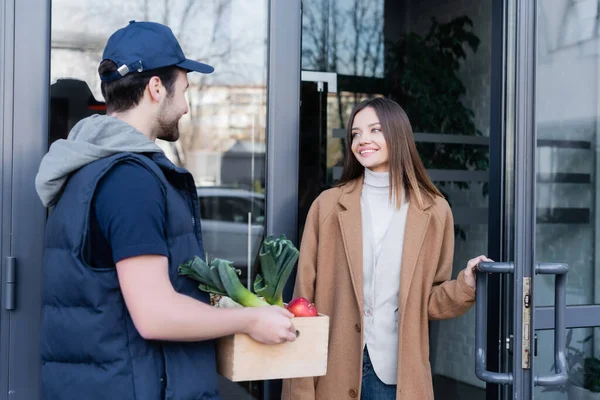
[119, 322]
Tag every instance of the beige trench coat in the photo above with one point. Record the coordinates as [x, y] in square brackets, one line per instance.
[330, 273]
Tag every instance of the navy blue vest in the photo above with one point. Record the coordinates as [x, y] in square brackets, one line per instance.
[90, 347]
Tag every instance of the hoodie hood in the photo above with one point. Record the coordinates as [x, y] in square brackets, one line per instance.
[91, 139]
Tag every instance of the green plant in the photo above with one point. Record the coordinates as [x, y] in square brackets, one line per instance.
[422, 75]
[277, 259]
[584, 371]
[591, 374]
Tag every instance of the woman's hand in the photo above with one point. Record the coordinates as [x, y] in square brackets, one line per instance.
[471, 270]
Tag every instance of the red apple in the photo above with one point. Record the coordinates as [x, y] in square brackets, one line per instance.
[301, 307]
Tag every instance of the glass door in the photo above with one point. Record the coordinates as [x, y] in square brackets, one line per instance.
[223, 137]
[551, 343]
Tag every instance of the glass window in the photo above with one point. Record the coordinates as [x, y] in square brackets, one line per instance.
[567, 132]
[343, 36]
[583, 365]
[222, 138]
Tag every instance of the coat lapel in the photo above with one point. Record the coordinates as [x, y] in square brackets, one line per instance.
[351, 228]
[416, 225]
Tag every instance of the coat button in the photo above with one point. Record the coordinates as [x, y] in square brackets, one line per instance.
[357, 328]
[353, 393]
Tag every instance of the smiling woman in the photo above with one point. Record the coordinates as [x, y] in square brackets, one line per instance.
[368, 141]
[381, 139]
[392, 245]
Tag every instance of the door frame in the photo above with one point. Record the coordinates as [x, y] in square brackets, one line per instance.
[496, 329]
[283, 127]
[24, 76]
[524, 189]
[6, 109]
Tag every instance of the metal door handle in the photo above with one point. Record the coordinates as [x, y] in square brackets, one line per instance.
[560, 305]
[481, 322]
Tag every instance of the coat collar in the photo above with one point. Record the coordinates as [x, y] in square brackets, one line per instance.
[350, 197]
[350, 220]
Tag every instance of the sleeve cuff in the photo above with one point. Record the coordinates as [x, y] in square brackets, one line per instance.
[139, 250]
[468, 291]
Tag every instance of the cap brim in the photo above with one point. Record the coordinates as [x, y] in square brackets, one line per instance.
[196, 66]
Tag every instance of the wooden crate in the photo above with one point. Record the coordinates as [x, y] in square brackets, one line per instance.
[240, 358]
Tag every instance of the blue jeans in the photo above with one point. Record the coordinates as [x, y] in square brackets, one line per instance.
[372, 387]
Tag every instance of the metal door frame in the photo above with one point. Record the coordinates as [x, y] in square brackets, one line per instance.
[6, 106]
[24, 83]
[524, 186]
[283, 125]
[497, 193]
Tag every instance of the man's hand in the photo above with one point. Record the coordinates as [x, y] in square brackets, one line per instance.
[471, 270]
[271, 325]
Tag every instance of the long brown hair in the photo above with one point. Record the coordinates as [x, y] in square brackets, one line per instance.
[406, 167]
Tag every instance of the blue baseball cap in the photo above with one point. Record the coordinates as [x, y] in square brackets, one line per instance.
[143, 46]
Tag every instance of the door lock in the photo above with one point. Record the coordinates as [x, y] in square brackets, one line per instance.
[509, 343]
[526, 333]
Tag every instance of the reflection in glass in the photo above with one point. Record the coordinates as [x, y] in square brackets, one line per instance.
[567, 132]
[343, 36]
[583, 365]
[222, 138]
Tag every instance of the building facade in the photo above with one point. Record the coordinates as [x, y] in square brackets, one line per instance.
[504, 99]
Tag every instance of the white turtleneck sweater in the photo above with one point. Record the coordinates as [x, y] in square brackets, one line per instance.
[381, 210]
[383, 238]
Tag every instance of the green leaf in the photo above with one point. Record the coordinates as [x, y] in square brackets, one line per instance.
[260, 288]
[277, 257]
[199, 270]
[214, 274]
[211, 289]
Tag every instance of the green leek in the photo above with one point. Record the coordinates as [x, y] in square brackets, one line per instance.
[277, 259]
[220, 278]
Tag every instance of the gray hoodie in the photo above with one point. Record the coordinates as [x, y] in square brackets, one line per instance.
[90, 139]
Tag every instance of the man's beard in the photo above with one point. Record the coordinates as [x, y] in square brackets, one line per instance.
[168, 127]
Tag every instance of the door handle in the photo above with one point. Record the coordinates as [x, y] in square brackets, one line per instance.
[560, 270]
[485, 268]
[560, 304]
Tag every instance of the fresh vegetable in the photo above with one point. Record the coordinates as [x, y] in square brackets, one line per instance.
[199, 270]
[277, 259]
[301, 307]
[220, 278]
